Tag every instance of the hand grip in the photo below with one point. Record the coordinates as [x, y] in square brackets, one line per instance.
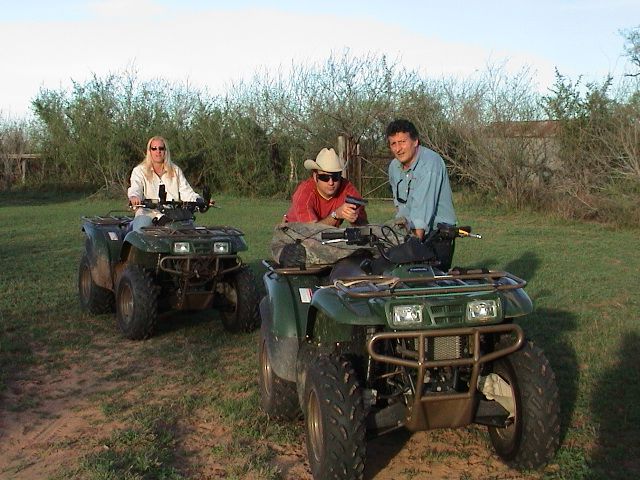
[332, 235]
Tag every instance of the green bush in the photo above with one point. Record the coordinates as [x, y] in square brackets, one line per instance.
[253, 140]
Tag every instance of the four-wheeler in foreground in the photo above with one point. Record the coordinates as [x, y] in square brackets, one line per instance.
[382, 339]
[172, 265]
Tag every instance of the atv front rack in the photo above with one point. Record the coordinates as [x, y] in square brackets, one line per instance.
[383, 286]
[197, 231]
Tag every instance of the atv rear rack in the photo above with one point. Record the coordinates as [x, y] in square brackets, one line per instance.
[384, 286]
[313, 270]
[109, 218]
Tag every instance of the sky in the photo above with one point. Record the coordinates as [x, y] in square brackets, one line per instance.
[213, 44]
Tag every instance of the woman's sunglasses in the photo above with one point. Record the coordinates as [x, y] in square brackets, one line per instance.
[162, 149]
[325, 177]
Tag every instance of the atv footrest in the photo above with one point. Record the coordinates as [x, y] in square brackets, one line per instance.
[491, 413]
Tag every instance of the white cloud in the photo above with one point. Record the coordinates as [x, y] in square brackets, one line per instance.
[126, 8]
[211, 49]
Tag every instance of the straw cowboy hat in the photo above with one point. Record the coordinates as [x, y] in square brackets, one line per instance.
[327, 161]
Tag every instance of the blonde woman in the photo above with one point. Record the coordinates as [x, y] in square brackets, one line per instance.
[157, 169]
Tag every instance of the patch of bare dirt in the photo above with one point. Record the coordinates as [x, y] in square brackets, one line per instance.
[50, 420]
[47, 422]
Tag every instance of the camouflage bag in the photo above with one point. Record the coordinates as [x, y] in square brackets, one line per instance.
[300, 244]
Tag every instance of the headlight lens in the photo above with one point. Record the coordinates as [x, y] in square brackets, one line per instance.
[482, 310]
[181, 247]
[406, 315]
[221, 247]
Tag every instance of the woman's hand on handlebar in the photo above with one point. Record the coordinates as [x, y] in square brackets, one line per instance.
[134, 201]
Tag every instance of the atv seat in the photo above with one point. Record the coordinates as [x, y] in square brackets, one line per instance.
[347, 268]
[128, 228]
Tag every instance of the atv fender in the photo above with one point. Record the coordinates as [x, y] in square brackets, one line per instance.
[350, 311]
[333, 315]
[102, 246]
[282, 351]
[516, 303]
[152, 245]
[289, 299]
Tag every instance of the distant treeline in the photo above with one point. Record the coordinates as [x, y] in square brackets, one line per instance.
[574, 150]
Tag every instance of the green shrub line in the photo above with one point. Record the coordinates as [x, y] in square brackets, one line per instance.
[572, 150]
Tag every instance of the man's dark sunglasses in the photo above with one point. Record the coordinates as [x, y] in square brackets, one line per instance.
[403, 200]
[325, 177]
[162, 149]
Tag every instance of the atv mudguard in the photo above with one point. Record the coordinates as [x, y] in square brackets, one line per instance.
[142, 250]
[296, 307]
[283, 351]
[344, 311]
[515, 303]
[289, 298]
[104, 238]
[284, 312]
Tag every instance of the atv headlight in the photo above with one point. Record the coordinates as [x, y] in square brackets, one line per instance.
[406, 315]
[482, 310]
[181, 247]
[221, 247]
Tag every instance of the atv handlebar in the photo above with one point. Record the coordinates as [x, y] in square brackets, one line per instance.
[448, 231]
[463, 232]
[365, 236]
[201, 206]
[332, 235]
[351, 235]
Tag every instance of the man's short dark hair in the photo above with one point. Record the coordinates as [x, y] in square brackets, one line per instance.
[401, 125]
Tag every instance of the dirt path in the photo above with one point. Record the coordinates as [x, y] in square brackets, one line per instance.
[50, 420]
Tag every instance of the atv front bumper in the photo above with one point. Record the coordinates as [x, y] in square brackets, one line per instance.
[446, 409]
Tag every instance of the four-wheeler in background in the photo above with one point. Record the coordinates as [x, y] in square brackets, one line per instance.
[172, 265]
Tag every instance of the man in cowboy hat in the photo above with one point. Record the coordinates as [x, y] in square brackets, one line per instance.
[321, 198]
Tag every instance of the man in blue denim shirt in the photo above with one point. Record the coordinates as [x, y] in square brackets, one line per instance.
[420, 184]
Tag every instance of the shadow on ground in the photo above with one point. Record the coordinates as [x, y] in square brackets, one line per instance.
[616, 414]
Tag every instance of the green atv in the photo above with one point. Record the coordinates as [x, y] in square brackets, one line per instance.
[382, 339]
[170, 265]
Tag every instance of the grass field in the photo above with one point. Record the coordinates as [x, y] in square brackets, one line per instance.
[79, 401]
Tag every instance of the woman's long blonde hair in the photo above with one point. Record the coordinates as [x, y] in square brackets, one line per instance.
[147, 163]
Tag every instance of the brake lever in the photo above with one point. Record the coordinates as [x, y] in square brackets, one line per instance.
[464, 233]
